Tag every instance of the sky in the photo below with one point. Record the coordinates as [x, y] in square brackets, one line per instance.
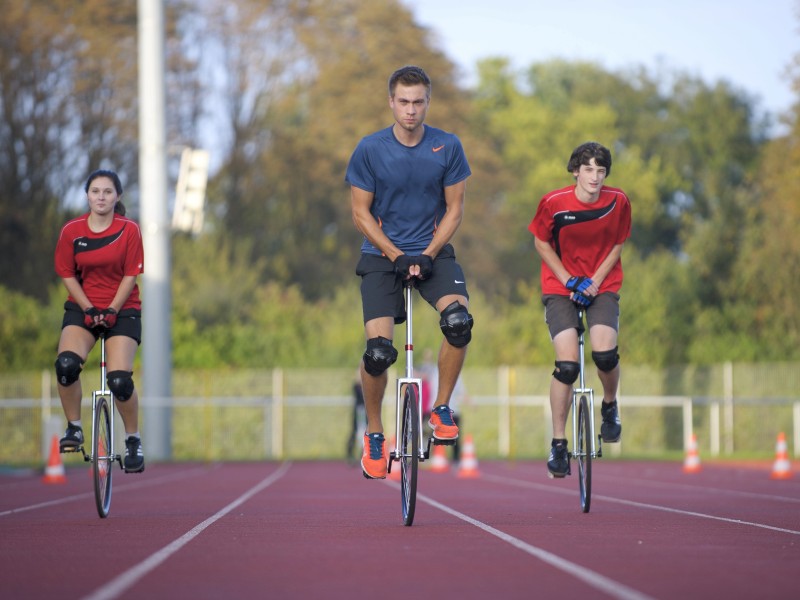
[748, 43]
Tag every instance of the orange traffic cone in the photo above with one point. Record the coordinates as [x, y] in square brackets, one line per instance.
[691, 463]
[439, 463]
[781, 469]
[469, 462]
[54, 471]
[394, 474]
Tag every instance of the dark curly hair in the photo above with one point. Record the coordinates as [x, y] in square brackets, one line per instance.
[584, 153]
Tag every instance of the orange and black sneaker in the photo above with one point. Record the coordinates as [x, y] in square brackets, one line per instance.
[373, 461]
[441, 421]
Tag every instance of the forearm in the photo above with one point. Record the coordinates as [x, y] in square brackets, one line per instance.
[123, 291]
[76, 292]
[445, 232]
[551, 259]
[454, 213]
[372, 231]
[365, 222]
[605, 267]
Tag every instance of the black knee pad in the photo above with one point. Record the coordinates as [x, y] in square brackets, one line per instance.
[606, 360]
[121, 384]
[379, 356]
[456, 324]
[567, 371]
[68, 368]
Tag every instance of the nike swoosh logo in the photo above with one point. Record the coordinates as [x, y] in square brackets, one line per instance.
[438, 148]
[457, 281]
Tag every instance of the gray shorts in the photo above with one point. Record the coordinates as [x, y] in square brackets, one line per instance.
[382, 289]
[561, 313]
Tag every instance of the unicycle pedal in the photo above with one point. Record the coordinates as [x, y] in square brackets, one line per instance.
[438, 442]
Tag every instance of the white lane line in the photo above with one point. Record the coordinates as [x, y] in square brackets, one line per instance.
[591, 578]
[679, 511]
[123, 582]
[150, 481]
[715, 490]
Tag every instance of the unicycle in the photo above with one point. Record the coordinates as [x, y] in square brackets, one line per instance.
[102, 454]
[583, 426]
[408, 449]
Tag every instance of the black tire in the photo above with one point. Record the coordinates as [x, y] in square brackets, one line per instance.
[409, 453]
[583, 452]
[102, 456]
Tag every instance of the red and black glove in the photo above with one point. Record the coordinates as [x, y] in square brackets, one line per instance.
[108, 317]
[91, 316]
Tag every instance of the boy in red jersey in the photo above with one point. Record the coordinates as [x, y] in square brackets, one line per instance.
[98, 257]
[579, 232]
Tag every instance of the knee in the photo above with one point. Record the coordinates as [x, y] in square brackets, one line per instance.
[379, 356]
[567, 371]
[606, 360]
[68, 368]
[121, 384]
[456, 324]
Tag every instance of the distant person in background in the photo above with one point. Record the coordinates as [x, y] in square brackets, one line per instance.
[98, 256]
[407, 184]
[359, 419]
[579, 232]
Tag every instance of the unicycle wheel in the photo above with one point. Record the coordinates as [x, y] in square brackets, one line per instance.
[102, 456]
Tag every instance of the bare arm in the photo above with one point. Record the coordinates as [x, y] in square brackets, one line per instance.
[605, 267]
[552, 260]
[454, 213]
[123, 291]
[76, 291]
[360, 203]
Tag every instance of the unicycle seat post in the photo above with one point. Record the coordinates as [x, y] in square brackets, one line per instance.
[409, 330]
[582, 390]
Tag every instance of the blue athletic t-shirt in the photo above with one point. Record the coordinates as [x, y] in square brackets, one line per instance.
[408, 184]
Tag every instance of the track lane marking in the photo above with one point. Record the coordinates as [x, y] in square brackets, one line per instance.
[123, 582]
[150, 481]
[592, 578]
[716, 490]
[528, 484]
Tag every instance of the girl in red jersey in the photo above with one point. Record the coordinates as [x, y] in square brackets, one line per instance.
[99, 256]
[579, 232]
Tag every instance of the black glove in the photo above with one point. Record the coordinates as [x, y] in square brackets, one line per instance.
[425, 263]
[581, 300]
[89, 317]
[578, 284]
[108, 317]
[402, 264]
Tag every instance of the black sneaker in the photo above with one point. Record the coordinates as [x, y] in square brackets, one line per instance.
[558, 463]
[134, 457]
[72, 440]
[611, 429]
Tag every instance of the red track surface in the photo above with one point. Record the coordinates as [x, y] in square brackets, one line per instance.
[320, 530]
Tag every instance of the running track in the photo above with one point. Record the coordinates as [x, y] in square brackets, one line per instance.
[320, 530]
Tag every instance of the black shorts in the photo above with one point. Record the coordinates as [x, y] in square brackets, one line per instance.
[129, 322]
[561, 313]
[382, 289]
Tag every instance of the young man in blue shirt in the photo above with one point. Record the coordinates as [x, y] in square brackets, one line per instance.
[407, 197]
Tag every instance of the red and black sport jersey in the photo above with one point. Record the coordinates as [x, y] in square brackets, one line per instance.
[99, 261]
[582, 234]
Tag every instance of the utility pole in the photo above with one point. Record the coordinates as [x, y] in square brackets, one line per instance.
[156, 399]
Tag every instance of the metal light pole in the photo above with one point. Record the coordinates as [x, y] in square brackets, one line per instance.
[156, 399]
